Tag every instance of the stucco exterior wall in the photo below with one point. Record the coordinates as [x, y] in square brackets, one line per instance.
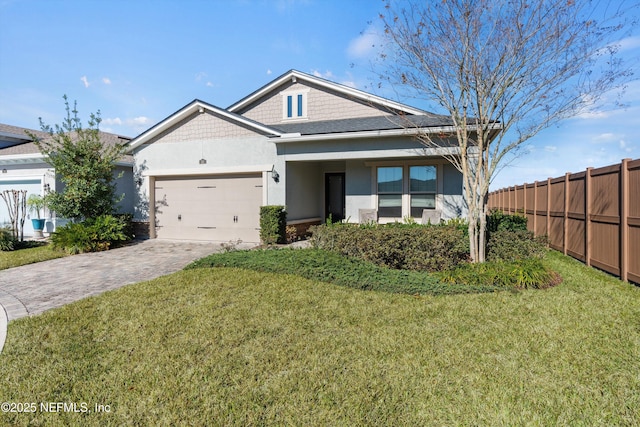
[125, 186]
[183, 157]
[453, 204]
[304, 183]
[31, 177]
[48, 180]
[358, 189]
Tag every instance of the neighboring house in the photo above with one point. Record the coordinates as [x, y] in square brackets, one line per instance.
[23, 167]
[320, 148]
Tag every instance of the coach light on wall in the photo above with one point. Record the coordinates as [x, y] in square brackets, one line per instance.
[4, 171]
[203, 161]
[275, 175]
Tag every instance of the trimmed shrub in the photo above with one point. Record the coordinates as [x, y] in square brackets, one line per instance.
[523, 274]
[398, 246]
[499, 221]
[7, 241]
[93, 235]
[273, 223]
[505, 245]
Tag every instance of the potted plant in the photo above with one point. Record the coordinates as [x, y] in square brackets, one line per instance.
[36, 203]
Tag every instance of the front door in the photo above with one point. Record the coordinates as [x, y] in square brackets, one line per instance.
[334, 196]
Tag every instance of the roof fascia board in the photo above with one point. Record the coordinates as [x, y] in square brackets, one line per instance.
[367, 134]
[209, 170]
[188, 110]
[14, 136]
[31, 156]
[355, 93]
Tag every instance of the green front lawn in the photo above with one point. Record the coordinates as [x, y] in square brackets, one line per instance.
[25, 256]
[227, 346]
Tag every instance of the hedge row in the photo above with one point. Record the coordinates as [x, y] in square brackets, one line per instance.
[430, 248]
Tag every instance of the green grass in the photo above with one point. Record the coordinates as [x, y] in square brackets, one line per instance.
[27, 256]
[227, 346]
[334, 268]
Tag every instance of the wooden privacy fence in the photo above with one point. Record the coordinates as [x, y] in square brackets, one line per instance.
[593, 216]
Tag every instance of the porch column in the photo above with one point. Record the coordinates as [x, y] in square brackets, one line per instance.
[152, 207]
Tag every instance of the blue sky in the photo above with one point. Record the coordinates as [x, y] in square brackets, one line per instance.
[138, 61]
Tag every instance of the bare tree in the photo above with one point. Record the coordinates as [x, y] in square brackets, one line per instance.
[517, 66]
[16, 201]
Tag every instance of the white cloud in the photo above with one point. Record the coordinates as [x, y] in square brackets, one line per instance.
[201, 75]
[110, 122]
[604, 138]
[326, 75]
[117, 121]
[269, 72]
[141, 120]
[629, 43]
[593, 115]
[84, 81]
[349, 83]
[106, 80]
[364, 45]
[550, 148]
[209, 84]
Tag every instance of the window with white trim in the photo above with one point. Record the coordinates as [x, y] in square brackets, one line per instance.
[422, 189]
[390, 185]
[406, 190]
[294, 105]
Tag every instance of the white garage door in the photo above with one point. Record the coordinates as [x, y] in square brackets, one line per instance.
[218, 208]
[33, 186]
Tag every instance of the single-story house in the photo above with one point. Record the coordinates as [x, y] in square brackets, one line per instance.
[23, 167]
[322, 149]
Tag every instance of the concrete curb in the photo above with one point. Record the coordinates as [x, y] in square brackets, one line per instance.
[3, 327]
[10, 308]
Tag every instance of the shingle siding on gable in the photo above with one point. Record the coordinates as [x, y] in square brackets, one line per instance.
[201, 126]
[321, 105]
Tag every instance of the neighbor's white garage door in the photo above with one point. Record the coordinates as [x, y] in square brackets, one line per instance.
[219, 208]
[33, 186]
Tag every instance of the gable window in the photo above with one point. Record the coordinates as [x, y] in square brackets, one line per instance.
[390, 191]
[289, 106]
[294, 105]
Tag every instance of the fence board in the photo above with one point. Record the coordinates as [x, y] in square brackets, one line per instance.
[593, 216]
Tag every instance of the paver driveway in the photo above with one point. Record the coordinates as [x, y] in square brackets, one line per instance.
[32, 289]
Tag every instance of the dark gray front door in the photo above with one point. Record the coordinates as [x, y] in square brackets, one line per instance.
[334, 196]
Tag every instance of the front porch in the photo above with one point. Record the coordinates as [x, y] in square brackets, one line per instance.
[361, 190]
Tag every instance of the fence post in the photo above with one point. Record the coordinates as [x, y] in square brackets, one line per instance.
[535, 207]
[565, 224]
[624, 216]
[524, 201]
[587, 216]
[549, 208]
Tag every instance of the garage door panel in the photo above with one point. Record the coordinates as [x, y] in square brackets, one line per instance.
[209, 208]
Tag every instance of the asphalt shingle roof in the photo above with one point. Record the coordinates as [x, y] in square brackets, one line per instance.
[30, 148]
[388, 122]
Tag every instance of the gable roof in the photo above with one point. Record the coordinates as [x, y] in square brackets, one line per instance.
[295, 75]
[18, 147]
[11, 136]
[405, 120]
[199, 106]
